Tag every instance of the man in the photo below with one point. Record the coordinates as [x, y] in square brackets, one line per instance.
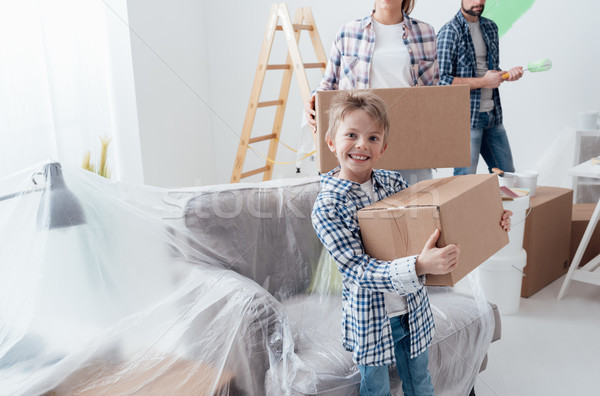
[468, 53]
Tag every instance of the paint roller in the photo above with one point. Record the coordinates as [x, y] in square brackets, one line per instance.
[535, 66]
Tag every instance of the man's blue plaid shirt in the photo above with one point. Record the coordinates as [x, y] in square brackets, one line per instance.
[366, 328]
[456, 55]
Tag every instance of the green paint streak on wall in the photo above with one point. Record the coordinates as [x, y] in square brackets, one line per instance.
[506, 12]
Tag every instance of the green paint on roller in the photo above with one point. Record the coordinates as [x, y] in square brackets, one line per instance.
[535, 66]
[506, 12]
[539, 65]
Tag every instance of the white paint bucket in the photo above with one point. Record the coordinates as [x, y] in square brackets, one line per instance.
[588, 120]
[508, 180]
[520, 208]
[501, 278]
[528, 180]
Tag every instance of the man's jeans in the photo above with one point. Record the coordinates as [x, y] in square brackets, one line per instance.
[414, 374]
[491, 141]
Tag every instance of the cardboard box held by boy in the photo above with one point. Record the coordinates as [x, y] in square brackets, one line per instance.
[465, 209]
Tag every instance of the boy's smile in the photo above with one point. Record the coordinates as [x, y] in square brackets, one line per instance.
[358, 144]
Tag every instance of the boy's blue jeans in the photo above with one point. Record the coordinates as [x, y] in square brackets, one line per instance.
[414, 374]
[491, 141]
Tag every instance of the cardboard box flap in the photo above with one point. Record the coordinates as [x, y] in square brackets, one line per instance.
[434, 192]
[398, 235]
[429, 127]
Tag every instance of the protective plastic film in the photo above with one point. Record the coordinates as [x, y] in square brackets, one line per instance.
[212, 290]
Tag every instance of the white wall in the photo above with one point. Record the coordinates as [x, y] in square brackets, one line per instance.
[190, 136]
[171, 73]
[124, 120]
[537, 109]
[540, 108]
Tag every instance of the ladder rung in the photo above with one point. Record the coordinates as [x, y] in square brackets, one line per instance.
[278, 67]
[314, 65]
[297, 26]
[255, 172]
[270, 103]
[318, 65]
[261, 138]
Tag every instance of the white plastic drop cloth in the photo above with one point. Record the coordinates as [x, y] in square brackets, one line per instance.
[216, 290]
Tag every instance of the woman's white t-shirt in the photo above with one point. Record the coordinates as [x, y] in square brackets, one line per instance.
[391, 64]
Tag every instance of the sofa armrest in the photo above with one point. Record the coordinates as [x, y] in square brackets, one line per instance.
[498, 323]
[242, 327]
[465, 325]
[496, 336]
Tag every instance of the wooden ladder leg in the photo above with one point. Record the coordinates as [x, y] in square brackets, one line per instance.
[294, 50]
[309, 20]
[317, 44]
[285, 85]
[259, 77]
[315, 38]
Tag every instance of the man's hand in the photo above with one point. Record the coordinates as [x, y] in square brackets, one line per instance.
[492, 79]
[437, 261]
[310, 114]
[514, 74]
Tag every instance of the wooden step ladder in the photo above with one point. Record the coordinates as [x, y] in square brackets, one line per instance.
[279, 20]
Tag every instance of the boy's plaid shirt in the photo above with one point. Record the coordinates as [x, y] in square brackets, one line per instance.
[457, 58]
[366, 328]
[349, 63]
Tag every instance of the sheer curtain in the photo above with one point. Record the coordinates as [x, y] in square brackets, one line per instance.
[54, 82]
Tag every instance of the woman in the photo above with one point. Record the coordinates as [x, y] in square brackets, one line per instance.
[386, 49]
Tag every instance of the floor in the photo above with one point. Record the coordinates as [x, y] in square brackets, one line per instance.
[548, 347]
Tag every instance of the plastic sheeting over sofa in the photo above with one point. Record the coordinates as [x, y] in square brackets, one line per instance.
[212, 290]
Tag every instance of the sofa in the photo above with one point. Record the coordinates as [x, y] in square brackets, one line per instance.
[216, 290]
[261, 236]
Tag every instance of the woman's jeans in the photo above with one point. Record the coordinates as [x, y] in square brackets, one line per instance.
[491, 141]
[414, 374]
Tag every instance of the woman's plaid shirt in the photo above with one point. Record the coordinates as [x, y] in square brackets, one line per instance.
[349, 63]
[366, 328]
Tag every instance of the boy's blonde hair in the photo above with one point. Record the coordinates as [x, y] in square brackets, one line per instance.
[347, 101]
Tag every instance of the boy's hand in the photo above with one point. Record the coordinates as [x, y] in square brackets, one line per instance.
[437, 261]
[505, 220]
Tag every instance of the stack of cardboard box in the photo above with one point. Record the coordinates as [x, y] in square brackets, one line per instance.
[547, 238]
[581, 215]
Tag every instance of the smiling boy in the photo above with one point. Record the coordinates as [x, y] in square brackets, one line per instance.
[386, 314]
[355, 138]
